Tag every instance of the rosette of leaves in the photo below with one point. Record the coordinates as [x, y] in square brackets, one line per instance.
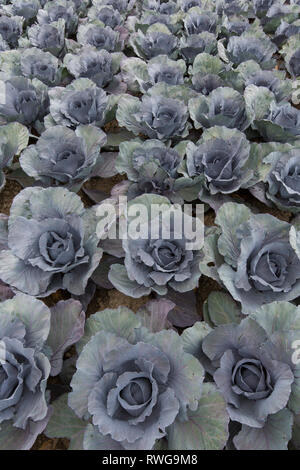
[291, 53]
[250, 73]
[186, 5]
[278, 122]
[167, 8]
[224, 106]
[271, 16]
[63, 157]
[253, 365]
[163, 8]
[153, 263]
[33, 339]
[159, 399]
[206, 73]
[41, 65]
[51, 243]
[153, 168]
[59, 10]
[122, 6]
[24, 8]
[97, 65]
[90, 63]
[233, 7]
[81, 7]
[197, 21]
[99, 36]
[48, 37]
[11, 28]
[23, 100]
[166, 13]
[220, 160]
[233, 26]
[108, 15]
[251, 45]
[158, 40]
[81, 102]
[13, 139]
[191, 46]
[140, 76]
[251, 255]
[161, 114]
[163, 69]
[283, 179]
[286, 30]
[32, 63]
[280, 175]
[149, 18]
[261, 7]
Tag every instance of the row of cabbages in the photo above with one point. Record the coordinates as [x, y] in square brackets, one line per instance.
[139, 385]
[193, 100]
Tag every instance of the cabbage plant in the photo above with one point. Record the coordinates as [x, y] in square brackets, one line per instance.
[285, 31]
[207, 73]
[155, 263]
[251, 46]
[250, 73]
[99, 36]
[291, 52]
[221, 159]
[98, 66]
[142, 391]
[51, 243]
[33, 339]
[92, 64]
[140, 75]
[224, 106]
[32, 63]
[279, 175]
[81, 102]
[106, 14]
[162, 112]
[11, 29]
[154, 168]
[252, 257]
[197, 21]
[233, 7]
[234, 25]
[23, 100]
[162, 7]
[59, 10]
[191, 46]
[122, 6]
[64, 157]
[27, 9]
[158, 40]
[253, 365]
[48, 37]
[277, 122]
